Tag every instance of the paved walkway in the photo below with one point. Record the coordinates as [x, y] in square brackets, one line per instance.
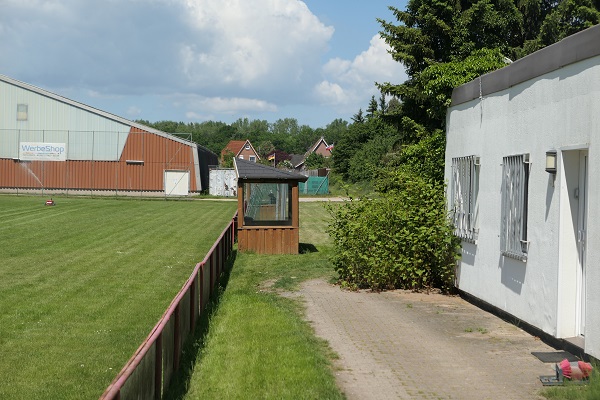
[403, 345]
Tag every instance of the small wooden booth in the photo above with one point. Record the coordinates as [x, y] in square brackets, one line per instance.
[268, 208]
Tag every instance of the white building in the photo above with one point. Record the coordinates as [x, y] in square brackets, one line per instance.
[531, 247]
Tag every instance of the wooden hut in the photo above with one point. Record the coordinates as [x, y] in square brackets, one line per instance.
[268, 209]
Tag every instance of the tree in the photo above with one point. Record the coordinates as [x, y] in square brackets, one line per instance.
[358, 118]
[315, 161]
[372, 108]
[286, 126]
[334, 131]
[442, 44]
[265, 148]
[569, 17]
[352, 159]
[382, 104]
[438, 80]
[227, 161]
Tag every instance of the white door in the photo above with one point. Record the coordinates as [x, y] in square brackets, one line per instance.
[177, 183]
[581, 241]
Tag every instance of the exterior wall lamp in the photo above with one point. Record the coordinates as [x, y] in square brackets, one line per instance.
[551, 161]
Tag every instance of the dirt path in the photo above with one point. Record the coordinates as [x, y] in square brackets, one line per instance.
[402, 345]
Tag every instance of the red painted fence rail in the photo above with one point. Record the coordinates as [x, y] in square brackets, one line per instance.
[148, 372]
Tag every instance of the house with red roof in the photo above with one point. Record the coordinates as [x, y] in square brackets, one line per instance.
[241, 149]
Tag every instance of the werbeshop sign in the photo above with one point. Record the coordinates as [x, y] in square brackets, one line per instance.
[37, 151]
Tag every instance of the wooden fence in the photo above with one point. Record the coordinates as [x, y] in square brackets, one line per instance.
[148, 372]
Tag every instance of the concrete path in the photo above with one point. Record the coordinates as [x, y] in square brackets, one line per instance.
[403, 345]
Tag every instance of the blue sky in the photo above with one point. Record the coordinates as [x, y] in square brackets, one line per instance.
[199, 60]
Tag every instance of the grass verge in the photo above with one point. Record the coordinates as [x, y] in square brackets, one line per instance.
[258, 344]
[574, 391]
[82, 284]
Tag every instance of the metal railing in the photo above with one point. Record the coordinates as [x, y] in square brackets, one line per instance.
[148, 372]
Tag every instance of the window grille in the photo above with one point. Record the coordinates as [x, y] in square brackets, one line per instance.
[515, 184]
[465, 186]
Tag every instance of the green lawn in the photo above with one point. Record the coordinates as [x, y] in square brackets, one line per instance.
[258, 345]
[83, 283]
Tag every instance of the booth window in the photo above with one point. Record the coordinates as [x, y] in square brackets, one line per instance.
[267, 204]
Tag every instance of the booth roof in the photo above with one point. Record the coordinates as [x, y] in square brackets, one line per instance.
[249, 170]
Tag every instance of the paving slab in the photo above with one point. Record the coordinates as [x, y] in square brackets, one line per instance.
[405, 345]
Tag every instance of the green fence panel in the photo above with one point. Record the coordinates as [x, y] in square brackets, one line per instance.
[315, 185]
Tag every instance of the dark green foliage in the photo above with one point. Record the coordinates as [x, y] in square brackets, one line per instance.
[358, 118]
[367, 160]
[227, 161]
[569, 17]
[358, 153]
[284, 134]
[401, 239]
[372, 108]
[315, 161]
[452, 42]
[425, 158]
[437, 81]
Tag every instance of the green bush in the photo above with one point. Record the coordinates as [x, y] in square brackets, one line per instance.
[401, 239]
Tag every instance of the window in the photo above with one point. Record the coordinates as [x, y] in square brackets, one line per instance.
[247, 147]
[267, 204]
[21, 112]
[252, 158]
[241, 157]
[515, 184]
[464, 190]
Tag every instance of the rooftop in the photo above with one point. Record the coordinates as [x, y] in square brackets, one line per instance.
[249, 170]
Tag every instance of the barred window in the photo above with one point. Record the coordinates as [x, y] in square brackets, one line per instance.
[515, 184]
[465, 187]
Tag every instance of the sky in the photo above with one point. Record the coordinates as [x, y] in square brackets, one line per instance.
[203, 60]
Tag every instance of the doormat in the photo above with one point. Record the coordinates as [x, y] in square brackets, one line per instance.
[554, 356]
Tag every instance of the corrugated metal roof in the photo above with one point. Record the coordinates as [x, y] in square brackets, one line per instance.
[249, 170]
[93, 110]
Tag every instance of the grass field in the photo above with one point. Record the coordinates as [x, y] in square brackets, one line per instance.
[258, 345]
[83, 283]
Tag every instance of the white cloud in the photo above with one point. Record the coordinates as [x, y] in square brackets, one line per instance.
[348, 85]
[330, 93]
[201, 107]
[134, 112]
[252, 45]
[222, 56]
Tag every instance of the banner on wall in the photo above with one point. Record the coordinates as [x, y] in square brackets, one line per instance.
[37, 151]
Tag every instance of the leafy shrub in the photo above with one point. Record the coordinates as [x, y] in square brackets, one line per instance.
[401, 239]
